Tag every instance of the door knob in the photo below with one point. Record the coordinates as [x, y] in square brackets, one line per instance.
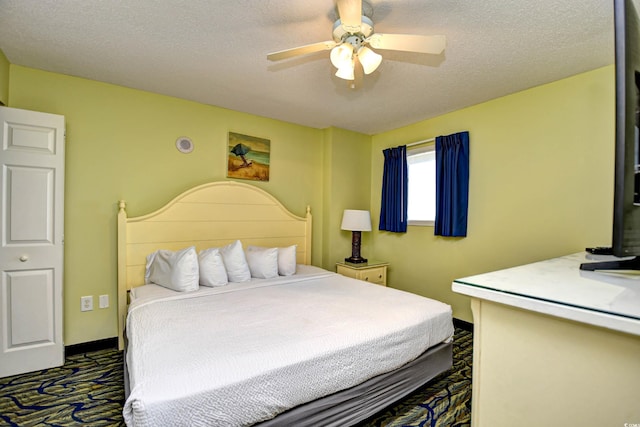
[24, 258]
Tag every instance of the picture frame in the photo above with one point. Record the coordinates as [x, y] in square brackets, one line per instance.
[248, 157]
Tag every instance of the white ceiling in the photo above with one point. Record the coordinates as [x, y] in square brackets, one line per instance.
[214, 52]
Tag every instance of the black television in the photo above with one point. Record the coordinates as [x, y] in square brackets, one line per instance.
[626, 196]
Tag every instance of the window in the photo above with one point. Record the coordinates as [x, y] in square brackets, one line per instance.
[421, 164]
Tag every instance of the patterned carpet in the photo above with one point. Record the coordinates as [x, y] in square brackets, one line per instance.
[88, 391]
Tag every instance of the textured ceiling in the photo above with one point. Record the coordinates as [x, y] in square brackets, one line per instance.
[214, 52]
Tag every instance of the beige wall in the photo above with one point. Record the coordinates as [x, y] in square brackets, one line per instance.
[541, 185]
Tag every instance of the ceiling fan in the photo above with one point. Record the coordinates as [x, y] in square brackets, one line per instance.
[353, 38]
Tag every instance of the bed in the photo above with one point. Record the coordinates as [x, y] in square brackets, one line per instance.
[305, 346]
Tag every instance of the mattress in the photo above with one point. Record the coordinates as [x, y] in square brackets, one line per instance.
[243, 353]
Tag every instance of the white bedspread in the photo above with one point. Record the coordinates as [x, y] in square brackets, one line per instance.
[243, 353]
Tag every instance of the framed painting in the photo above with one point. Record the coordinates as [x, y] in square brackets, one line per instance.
[248, 157]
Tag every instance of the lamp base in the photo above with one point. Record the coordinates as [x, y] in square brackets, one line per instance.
[354, 260]
[355, 257]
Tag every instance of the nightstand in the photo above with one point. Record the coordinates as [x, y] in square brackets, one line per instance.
[372, 271]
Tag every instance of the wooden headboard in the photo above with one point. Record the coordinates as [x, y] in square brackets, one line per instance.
[209, 215]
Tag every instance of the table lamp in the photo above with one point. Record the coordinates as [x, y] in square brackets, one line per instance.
[356, 221]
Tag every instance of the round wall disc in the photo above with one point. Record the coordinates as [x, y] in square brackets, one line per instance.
[184, 144]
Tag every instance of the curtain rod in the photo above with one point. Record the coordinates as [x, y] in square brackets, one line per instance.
[424, 141]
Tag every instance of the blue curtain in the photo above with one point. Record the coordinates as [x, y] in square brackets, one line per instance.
[395, 186]
[452, 184]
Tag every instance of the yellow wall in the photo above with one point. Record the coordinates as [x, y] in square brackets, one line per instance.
[4, 79]
[121, 145]
[347, 177]
[541, 185]
[541, 179]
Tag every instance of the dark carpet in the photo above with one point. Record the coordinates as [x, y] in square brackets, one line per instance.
[88, 391]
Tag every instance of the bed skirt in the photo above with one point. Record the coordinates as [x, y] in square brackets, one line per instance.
[350, 406]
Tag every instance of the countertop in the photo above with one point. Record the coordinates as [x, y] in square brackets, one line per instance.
[559, 288]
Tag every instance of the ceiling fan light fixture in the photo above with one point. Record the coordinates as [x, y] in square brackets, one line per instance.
[342, 55]
[369, 59]
[346, 72]
[354, 40]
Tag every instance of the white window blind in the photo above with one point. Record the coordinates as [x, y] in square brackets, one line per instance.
[421, 163]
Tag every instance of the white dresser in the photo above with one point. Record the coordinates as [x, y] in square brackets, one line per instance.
[555, 346]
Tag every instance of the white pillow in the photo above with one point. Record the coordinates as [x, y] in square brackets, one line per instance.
[212, 271]
[235, 262]
[287, 260]
[174, 270]
[263, 262]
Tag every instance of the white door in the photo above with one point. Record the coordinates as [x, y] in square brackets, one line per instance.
[31, 240]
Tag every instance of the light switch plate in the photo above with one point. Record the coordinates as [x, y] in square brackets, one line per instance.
[104, 301]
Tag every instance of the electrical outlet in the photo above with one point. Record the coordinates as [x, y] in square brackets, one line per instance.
[104, 301]
[86, 303]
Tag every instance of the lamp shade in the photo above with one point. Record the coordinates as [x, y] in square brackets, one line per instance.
[356, 220]
[342, 55]
[346, 72]
[369, 59]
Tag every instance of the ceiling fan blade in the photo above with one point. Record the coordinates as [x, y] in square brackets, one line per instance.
[350, 12]
[408, 42]
[301, 50]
